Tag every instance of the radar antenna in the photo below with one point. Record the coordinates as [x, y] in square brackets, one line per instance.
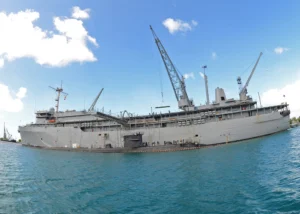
[177, 80]
[59, 91]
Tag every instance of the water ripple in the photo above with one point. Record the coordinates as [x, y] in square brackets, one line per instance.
[257, 176]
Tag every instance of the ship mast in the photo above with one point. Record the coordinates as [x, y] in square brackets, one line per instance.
[59, 91]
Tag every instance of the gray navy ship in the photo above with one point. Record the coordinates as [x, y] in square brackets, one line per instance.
[221, 121]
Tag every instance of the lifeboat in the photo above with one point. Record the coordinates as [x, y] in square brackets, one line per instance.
[52, 121]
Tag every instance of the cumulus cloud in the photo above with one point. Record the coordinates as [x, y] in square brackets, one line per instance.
[280, 50]
[20, 37]
[77, 13]
[289, 94]
[214, 55]
[10, 102]
[189, 75]
[194, 23]
[22, 92]
[178, 25]
[1, 62]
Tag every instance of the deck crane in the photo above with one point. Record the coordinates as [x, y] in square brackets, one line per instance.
[177, 80]
[95, 101]
[243, 89]
[4, 133]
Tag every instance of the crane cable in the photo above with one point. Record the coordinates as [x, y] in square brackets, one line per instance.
[247, 68]
[160, 75]
[161, 86]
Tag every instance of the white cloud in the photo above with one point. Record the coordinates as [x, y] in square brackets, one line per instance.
[194, 23]
[20, 37]
[1, 62]
[189, 75]
[9, 102]
[291, 92]
[178, 25]
[280, 50]
[22, 92]
[77, 13]
[214, 55]
[93, 40]
[201, 74]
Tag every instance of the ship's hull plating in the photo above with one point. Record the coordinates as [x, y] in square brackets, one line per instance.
[224, 131]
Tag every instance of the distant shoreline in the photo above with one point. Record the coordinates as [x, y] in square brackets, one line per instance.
[7, 141]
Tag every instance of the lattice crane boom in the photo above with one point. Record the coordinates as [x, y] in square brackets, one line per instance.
[177, 80]
[252, 72]
[95, 101]
[243, 91]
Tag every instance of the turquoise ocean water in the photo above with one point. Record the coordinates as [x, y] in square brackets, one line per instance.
[255, 176]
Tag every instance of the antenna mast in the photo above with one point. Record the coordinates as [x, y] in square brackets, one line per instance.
[177, 80]
[59, 91]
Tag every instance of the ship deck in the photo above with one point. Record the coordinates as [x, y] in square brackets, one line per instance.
[170, 117]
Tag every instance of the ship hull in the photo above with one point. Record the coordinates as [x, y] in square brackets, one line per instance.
[218, 132]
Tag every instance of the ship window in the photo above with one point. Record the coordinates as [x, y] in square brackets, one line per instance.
[196, 135]
[99, 134]
[164, 125]
[222, 98]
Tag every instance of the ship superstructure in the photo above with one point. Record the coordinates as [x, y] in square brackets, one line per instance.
[221, 121]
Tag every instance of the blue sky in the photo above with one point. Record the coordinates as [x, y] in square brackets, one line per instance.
[128, 63]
